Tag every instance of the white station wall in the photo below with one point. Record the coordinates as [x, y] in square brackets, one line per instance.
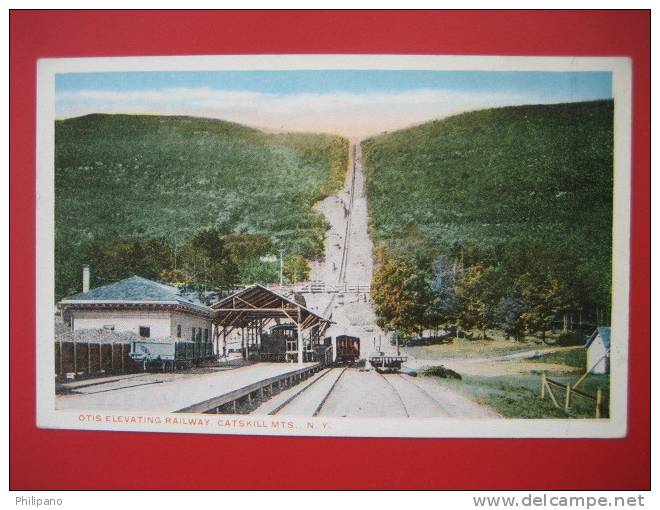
[124, 320]
[188, 322]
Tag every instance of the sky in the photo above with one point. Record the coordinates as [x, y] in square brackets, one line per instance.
[351, 103]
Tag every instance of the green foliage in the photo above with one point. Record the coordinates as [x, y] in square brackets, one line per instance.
[253, 270]
[397, 293]
[154, 177]
[442, 309]
[510, 313]
[442, 372]
[120, 258]
[248, 246]
[178, 277]
[541, 300]
[479, 292]
[296, 268]
[518, 198]
[207, 260]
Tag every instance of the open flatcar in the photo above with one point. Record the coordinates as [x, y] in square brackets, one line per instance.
[348, 349]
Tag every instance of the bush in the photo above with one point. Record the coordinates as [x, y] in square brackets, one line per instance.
[442, 371]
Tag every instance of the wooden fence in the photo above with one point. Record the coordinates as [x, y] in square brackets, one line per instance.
[90, 358]
[569, 392]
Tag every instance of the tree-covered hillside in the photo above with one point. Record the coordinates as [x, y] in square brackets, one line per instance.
[126, 179]
[515, 203]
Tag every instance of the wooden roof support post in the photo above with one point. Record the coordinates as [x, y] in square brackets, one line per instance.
[300, 338]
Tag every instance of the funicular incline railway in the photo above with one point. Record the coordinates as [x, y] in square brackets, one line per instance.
[272, 327]
[348, 349]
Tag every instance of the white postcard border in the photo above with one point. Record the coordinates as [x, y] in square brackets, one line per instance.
[48, 417]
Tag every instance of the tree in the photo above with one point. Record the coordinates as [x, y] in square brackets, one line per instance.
[479, 291]
[510, 311]
[114, 259]
[541, 300]
[296, 268]
[178, 277]
[244, 246]
[255, 271]
[442, 302]
[397, 290]
[207, 260]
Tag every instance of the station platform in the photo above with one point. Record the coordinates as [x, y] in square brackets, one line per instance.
[168, 393]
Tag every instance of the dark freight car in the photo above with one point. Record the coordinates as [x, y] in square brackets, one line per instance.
[348, 349]
[170, 354]
[282, 338]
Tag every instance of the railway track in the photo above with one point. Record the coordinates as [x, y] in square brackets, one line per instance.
[310, 400]
[347, 233]
[341, 278]
[415, 400]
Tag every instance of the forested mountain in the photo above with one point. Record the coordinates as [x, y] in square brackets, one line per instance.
[515, 203]
[144, 186]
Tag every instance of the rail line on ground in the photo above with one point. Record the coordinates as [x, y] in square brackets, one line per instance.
[347, 233]
[296, 398]
[396, 392]
[341, 278]
[320, 406]
[417, 388]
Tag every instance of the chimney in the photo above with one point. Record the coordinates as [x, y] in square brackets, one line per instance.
[85, 278]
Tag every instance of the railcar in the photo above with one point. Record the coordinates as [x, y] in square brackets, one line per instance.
[282, 339]
[170, 354]
[281, 344]
[348, 349]
[387, 363]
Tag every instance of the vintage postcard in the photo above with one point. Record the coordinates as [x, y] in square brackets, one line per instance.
[379, 246]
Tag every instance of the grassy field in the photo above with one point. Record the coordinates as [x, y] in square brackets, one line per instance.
[133, 176]
[517, 395]
[571, 357]
[465, 349]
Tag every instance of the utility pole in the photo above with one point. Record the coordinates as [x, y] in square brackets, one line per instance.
[175, 248]
[281, 267]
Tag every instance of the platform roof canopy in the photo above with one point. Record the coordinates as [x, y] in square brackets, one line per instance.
[254, 303]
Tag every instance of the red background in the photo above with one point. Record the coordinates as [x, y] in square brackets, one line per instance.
[49, 459]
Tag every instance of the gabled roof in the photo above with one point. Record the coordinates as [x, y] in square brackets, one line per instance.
[603, 332]
[134, 290]
[258, 302]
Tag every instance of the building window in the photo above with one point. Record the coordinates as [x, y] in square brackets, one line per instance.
[178, 330]
[206, 335]
[109, 327]
[145, 331]
[194, 334]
